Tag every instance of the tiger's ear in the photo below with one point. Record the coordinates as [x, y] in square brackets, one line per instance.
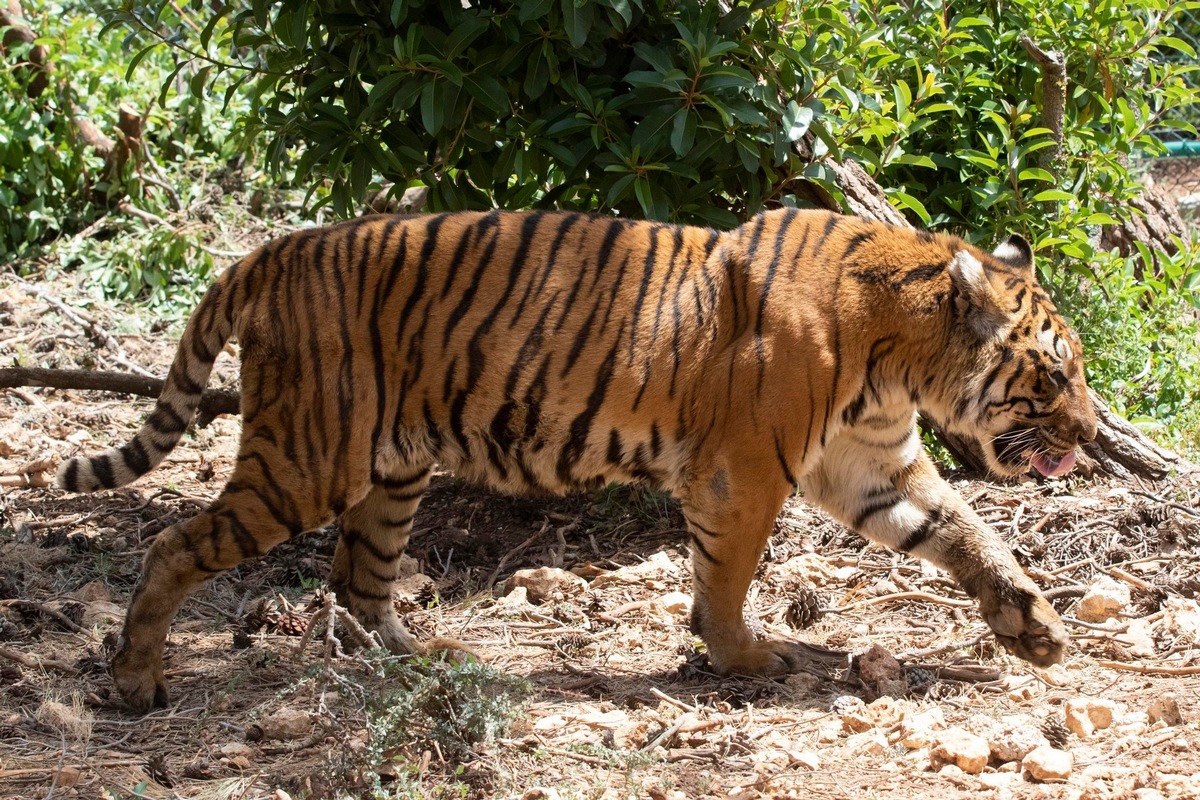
[1015, 252]
[975, 301]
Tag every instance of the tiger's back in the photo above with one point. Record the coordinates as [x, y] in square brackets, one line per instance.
[545, 352]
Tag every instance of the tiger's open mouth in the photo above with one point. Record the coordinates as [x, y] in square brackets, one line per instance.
[1022, 447]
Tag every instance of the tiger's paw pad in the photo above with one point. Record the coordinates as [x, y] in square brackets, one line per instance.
[1035, 633]
[143, 686]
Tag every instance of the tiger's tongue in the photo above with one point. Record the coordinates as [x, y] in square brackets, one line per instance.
[1052, 468]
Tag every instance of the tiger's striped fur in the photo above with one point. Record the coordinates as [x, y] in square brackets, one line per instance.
[548, 352]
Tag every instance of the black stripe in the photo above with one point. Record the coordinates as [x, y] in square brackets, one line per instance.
[573, 450]
[918, 536]
[699, 546]
[787, 471]
[923, 273]
[365, 595]
[648, 265]
[72, 475]
[856, 241]
[876, 508]
[391, 482]
[135, 456]
[102, 469]
[399, 522]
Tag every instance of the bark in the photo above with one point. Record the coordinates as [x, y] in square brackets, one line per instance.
[1054, 97]
[1120, 449]
[212, 402]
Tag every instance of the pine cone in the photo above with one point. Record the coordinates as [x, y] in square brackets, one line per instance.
[919, 679]
[1055, 732]
[261, 614]
[806, 608]
[290, 623]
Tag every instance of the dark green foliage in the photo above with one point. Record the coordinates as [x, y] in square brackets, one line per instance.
[666, 110]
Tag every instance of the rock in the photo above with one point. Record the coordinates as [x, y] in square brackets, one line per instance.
[1048, 764]
[546, 583]
[1182, 617]
[1085, 715]
[1139, 637]
[286, 724]
[870, 743]
[655, 572]
[631, 735]
[1009, 737]
[102, 612]
[882, 713]
[965, 750]
[920, 730]
[806, 569]
[236, 750]
[67, 776]
[676, 604]
[540, 793]
[515, 602]
[1000, 780]
[1165, 709]
[877, 665]
[92, 591]
[805, 758]
[1105, 599]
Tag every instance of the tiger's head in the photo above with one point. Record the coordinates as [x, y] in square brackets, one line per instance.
[1028, 403]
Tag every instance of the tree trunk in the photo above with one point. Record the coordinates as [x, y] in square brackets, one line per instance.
[1120, 449]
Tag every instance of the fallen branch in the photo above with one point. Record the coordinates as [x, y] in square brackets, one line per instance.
[896, 596]
[1149, 669]
[212, 402]
[36, 662]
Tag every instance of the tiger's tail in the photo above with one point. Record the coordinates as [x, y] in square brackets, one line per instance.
[210, 327]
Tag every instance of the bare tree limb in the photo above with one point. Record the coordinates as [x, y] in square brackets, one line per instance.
[212, 402]
[1053, 65]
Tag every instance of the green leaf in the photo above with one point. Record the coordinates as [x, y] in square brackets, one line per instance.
[905, 200]
[683, 131]
[796, 119]
[1052, 194]
[577, 20]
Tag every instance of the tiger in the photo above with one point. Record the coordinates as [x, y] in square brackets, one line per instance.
[547, 352]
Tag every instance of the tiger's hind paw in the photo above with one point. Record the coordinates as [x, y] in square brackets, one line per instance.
[773, 657]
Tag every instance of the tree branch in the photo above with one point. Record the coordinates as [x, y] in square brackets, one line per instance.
[212, 402]
[1054, 97]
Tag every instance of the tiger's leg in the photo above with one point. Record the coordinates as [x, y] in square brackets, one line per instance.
[366, 561]
[730, 514]
[253, 514]
[892, 494]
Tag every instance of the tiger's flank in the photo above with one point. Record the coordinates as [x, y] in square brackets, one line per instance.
[551, 352]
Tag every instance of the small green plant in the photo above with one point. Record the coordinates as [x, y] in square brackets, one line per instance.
[456, 705]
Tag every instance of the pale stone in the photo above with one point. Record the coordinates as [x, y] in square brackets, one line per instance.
[546, 583]
[920, 730]
[540, 793]
[884, 712]
[91, 592]
[1048, 764]
[965, 750]
[677, 604]
[1182, 618]
[1084, 716]
[631, 735]
[805, 758]
[286, 724]
[102, 612]
[1000, 780]
[1165, 709]
[1104, 600]
[870, 743]
[1009, 737]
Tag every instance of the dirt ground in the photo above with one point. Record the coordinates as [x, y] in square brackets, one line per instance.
[595, 690]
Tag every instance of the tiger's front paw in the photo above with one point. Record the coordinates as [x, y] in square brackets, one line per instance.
[1027, 625]
[139, 680]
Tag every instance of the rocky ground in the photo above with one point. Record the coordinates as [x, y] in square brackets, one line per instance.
[591, 685]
